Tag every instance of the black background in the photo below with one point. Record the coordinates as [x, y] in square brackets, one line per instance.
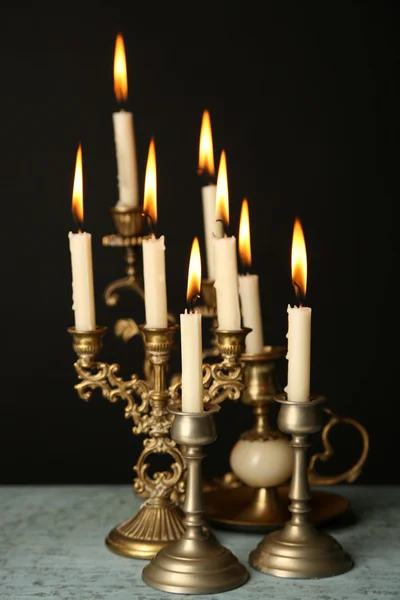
[302, 97]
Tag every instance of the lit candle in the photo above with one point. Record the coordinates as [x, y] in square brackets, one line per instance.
[80, 245]
[299, 325]
[208, 191]
[155, 291]
[249, 288]
[191, 339]
[124, 134]
[225, 260]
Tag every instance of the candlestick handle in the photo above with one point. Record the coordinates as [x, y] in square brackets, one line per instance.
[351, 474]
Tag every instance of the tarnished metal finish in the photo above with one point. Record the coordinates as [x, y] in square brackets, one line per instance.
[353, 472]
[299, 550]
[197, 563]
[160, 520]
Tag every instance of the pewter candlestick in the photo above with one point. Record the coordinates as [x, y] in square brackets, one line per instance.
[299, 550]
[197, 563]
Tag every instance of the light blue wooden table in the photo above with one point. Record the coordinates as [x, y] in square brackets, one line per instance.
[52, 547]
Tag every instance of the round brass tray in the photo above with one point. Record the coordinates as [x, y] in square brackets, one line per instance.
[245, 508]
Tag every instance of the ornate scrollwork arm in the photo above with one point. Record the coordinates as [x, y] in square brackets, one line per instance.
[94, 375]
[113, 387]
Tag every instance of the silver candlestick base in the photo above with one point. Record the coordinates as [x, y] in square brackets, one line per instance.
[299, 550]
[197, 563]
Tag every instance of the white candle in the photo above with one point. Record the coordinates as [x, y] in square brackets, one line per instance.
[81, 259]
[80, 245]
[208, 193]
[226, 283]
[299, 326]
[225, 261]
[153, 249]
[191, 341]
[251, 312]
[124, 135]
[249, 288]
[155, 291]
[299, 353]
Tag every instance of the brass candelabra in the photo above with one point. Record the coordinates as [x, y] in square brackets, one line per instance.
[160, 517]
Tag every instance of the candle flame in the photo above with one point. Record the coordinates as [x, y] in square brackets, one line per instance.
[299, 260]
[150, 184]
[77, 193]
[222, 194]
[244, 235]
[194, 275]
[206, 153]
[120, 76]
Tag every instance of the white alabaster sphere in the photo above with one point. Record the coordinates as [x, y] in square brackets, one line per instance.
[262, 463]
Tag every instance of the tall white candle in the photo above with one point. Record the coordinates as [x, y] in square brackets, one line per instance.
[80, 245]
[124, 136]
[251, 312]
[225, 260]
[299, 353]
[226, 283]
[249, 288]
[299, 325]
[153, 249]
[191, 341]
[208, 191]
[155, 291]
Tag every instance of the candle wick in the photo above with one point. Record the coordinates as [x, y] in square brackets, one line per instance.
[150, 223]
[192, 302]
[299, 294]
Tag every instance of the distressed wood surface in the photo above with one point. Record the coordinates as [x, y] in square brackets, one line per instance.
[52, 546]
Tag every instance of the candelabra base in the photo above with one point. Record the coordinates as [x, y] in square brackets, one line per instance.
[195, 566]
[258, 510]
[157, 523]
[300, 552]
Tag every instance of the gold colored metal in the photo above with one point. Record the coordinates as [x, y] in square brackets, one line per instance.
[258, 510]
[159, 519]
[197, 563]
[223, 380]
[299, 550]
[351, 474]
[129, 223]
[266, 505]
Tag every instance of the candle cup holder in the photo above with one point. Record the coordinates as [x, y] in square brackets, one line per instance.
[208, 310]
[160, 518]
[197, 563]
[129, 223]
[299, 550]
